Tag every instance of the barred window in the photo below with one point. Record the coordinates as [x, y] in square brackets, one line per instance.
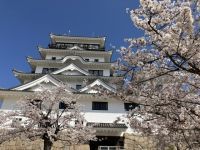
[99, 105]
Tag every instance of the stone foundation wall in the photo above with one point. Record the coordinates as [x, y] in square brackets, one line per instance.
[136, 142]
[38, 145]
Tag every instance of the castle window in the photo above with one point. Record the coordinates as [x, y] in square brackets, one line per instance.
[130, 106]
[78, 87]
[96, 72]
[45, 70]
[96, 60]
[48, 70]
[52, 70]
[96, 46]
[53, 58]
[99, 105]
[93, 46]
[62, 105]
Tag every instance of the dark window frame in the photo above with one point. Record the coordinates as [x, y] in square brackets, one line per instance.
[45, 70]
[62, 105]
[99, 105]
[96, 72]
[96, 60]
[78, 86]
[48, 70]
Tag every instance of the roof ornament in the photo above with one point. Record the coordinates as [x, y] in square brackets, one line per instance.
[46, 81]
[51, 35]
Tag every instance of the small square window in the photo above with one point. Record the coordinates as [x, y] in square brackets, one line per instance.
[62, 105]
[78, 87]
[96, 60]
[53, 58]
[96, 72]
[99, 105]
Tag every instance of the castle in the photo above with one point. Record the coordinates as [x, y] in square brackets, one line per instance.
[74, 60]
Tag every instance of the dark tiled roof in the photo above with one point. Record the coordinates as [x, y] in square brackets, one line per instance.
[106, 125]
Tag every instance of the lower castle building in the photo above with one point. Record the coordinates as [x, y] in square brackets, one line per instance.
[72, 60]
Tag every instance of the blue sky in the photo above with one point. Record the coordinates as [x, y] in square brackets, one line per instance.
[25, 24]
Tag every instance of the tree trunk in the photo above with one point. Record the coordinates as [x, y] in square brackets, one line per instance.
[47, 144]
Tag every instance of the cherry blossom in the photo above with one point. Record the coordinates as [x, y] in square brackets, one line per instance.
[162, 71]
[38, 116]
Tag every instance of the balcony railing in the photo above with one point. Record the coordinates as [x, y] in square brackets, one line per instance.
[111, 148]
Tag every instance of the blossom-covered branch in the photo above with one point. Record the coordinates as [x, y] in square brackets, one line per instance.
[162, 71]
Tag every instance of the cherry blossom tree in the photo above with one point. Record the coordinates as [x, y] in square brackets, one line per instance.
[161, 71]
[50, 114]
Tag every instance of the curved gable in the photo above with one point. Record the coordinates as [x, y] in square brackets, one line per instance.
[71, 67]
[89, 88]
[34, 84]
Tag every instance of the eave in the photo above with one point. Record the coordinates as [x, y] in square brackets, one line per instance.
[7, 93]
[61, 63]
[83, 53]
[77, 39]
[44, 79]
[32, 76]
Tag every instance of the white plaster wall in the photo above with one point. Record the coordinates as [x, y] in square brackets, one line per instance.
[102, 117]
[115, 110]
[38, 69]
[9, 103]
[106, 72]
[114, 106]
